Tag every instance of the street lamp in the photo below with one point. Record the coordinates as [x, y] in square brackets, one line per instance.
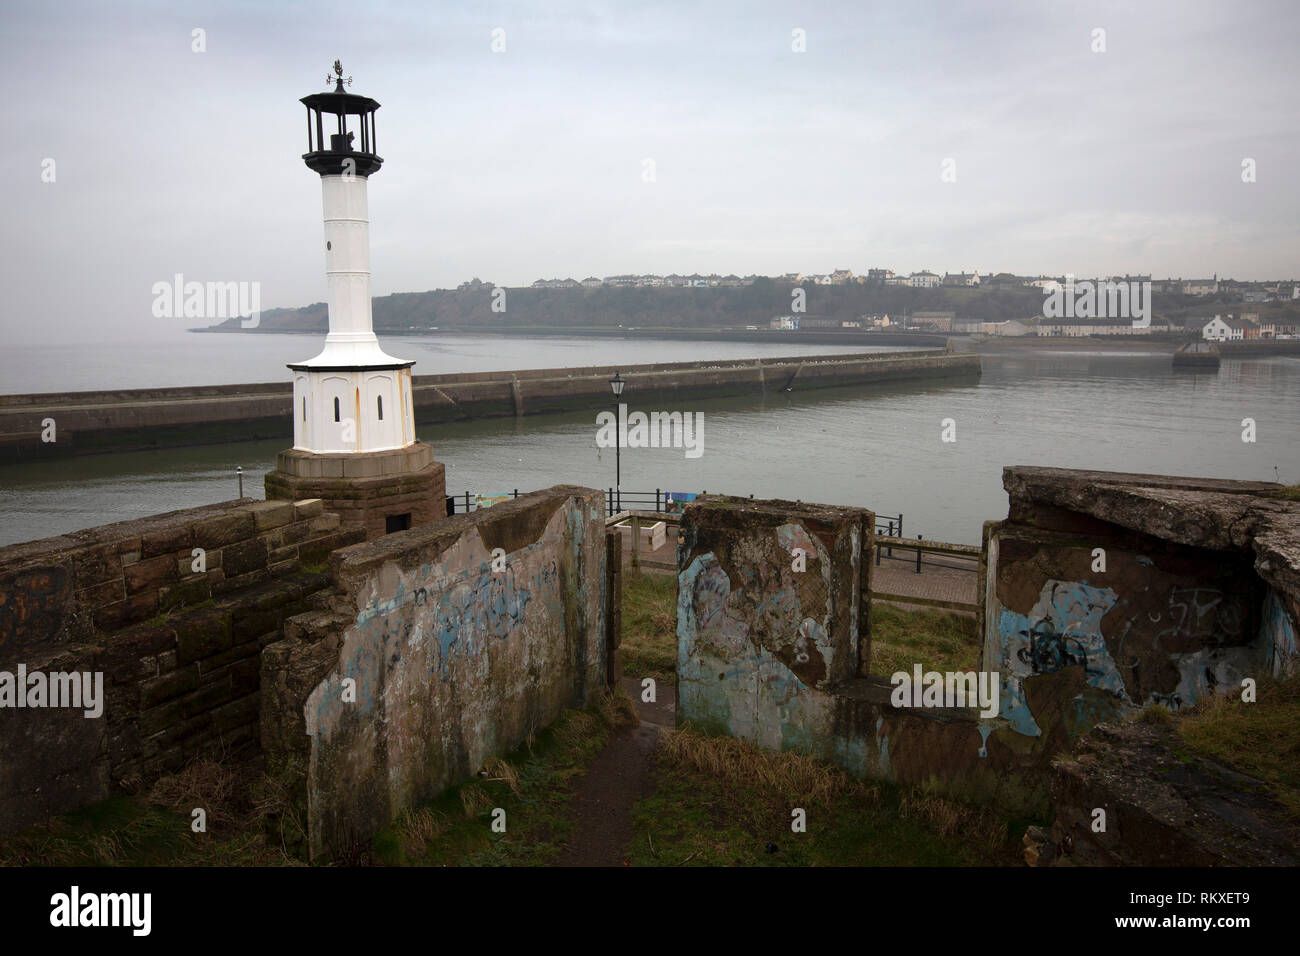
[616, 386]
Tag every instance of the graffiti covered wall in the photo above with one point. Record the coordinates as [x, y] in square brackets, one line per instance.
[1132, 622]
[780, 657]
[771, 608]
[443, 647]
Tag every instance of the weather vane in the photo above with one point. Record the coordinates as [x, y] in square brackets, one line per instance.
[338, 77]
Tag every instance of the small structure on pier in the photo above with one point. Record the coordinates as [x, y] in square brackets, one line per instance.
[354, 442]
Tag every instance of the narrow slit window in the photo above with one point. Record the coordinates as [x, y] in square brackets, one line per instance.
[379, 399]
[304, 409]
[336, 409]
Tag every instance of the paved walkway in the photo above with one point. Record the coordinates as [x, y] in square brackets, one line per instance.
[941, 579]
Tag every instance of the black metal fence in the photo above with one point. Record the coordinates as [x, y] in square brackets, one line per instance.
[659, 500]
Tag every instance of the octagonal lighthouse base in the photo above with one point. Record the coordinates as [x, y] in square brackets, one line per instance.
[379, 491]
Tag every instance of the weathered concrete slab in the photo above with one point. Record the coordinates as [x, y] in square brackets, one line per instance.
[1162, 808]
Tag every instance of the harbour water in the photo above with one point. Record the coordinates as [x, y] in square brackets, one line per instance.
[878, 447]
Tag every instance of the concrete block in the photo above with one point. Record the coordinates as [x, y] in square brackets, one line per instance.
[272, 514]
[151, 573]
[168, 686]
[308, 508]
[201, 635]
[169, 540]
[324, 522]
[241, 558]
[223, 529]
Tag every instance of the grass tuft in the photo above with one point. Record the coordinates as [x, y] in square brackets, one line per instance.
[1261, 739]
[649, 646]
[727, 760]
[938, 640]
[1157, 714]
[951, 819]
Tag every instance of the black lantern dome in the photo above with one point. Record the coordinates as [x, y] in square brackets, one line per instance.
[330, 158]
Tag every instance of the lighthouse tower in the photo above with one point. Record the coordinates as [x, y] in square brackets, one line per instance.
[353, 422]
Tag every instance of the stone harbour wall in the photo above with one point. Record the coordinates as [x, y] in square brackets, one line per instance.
[172, 611]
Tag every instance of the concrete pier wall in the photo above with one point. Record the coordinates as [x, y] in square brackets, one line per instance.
[41, 426]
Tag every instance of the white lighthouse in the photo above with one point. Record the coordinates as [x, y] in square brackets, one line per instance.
[354, 439]
[352, 397]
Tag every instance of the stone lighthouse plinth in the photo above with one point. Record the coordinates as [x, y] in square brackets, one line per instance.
[354, 442]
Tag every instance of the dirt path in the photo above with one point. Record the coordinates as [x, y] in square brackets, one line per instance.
[620, 776]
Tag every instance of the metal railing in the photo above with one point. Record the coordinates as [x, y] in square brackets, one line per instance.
[660, 500]
[465, 503]
[962, 553]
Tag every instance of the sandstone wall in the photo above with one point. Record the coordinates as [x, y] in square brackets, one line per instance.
[173, 611]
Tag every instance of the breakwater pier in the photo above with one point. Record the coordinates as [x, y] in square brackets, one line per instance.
[42, 426]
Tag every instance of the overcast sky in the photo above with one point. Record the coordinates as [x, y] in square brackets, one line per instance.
[530, 162]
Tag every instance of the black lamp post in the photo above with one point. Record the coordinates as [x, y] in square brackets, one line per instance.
[616, 386]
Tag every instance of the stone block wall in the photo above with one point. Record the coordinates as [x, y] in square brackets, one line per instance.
[367, 489]
[175, 637]
[436, 649]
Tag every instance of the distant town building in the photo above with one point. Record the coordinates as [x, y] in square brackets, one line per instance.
[1047, 285]
[1074, 328]
[1201, 286]
[786, 322]
[935, 321]
[1015, 328]
[924, 280]
[961, 279]
[1003, 280]
[1223, 329]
